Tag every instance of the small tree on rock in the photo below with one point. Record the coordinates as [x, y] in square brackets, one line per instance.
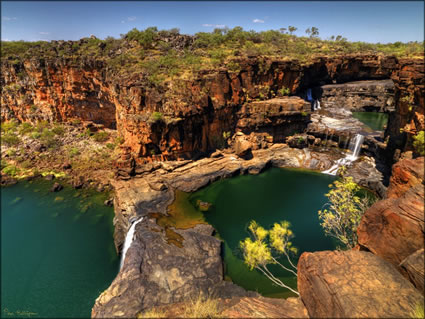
[259, 248]
[343, 212]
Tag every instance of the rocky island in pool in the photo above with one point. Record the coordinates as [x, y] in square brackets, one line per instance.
[211, 172]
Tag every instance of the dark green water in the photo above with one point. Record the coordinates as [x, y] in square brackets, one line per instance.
[374, 120]
[57, 251]
[273, 196]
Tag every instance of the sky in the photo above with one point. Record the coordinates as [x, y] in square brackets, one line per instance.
[368, 21]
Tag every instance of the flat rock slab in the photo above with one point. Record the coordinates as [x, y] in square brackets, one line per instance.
[156, 272]
[244, 307]
[260, 307]
[354, 284]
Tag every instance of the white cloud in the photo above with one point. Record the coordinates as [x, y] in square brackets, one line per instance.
[5, 39]
[9, 18]
[214, 25]
[258, 21]
[129, 19]
[44, 33]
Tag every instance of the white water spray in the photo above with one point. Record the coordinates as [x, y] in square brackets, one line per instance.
[129, 240]
[354, 147]
[316, 105]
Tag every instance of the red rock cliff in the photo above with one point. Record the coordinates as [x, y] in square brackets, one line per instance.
[192, 114]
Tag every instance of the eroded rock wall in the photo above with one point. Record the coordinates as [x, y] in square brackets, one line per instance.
[366, 96]
[193, 113]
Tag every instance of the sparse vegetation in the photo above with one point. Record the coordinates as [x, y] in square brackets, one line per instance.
[153, 53]
[101, 136]
[419, 143]
[156, 116]
[258, 250]
[343, 212]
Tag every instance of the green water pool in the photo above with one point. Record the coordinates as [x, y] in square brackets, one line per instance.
[57, 251]
[275, 195]
[374, 120]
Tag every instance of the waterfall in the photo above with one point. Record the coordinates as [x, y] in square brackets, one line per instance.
[128, 240]
[316, 105]
[354, 147]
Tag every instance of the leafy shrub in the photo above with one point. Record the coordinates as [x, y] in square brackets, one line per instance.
[156, 116]
[419, 142]
[284, 91]
[259, 247]
[119, 140]
[111, 146]
[345, 210]
[25, 128]
[73, 151]
[47, 137]
[58, 130]
[35, 135]
[10, 139]
[11, 170]
[9, 126]
[101, 136]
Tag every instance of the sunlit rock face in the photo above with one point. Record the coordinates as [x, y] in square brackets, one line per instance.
[394, 227]
[372, 95]
[193, 114]
[354, 284]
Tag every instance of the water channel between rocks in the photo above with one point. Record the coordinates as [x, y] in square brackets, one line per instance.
[57, 250]
[374, 120]
[278, 194]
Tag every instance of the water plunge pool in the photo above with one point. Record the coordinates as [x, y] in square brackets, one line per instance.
[278, 194]
[57, 250]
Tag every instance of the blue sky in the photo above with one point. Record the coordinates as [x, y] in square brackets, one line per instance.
[383, 21]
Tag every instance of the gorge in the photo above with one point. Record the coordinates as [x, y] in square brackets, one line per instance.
[197, 134]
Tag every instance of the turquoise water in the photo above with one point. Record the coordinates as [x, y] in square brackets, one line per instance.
[374, 120]
[273, 196]
[57, 251]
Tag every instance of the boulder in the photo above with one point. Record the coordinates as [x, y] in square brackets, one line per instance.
[56, 187]
[109, 202]
[393, 228]
[414, 267]
[78, 182]
[67, 165]
[50, 177]
[354, 284]
[242, 147]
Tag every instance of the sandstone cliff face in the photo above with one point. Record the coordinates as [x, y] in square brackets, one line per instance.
[394, 227]
[195, 112]
[375, 96]
[354, 284]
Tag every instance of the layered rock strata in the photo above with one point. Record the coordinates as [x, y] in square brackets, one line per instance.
[192, 114]
[377, 96]
[394, 228]
[354, 284]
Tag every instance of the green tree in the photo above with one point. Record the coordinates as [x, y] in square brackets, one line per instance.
[419, 142]
[258, 249]
[292, 29]
[343, 212]
[313, 32]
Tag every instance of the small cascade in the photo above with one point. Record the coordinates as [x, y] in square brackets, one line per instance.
[129, 240]
[354, 147]
[316, 105]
